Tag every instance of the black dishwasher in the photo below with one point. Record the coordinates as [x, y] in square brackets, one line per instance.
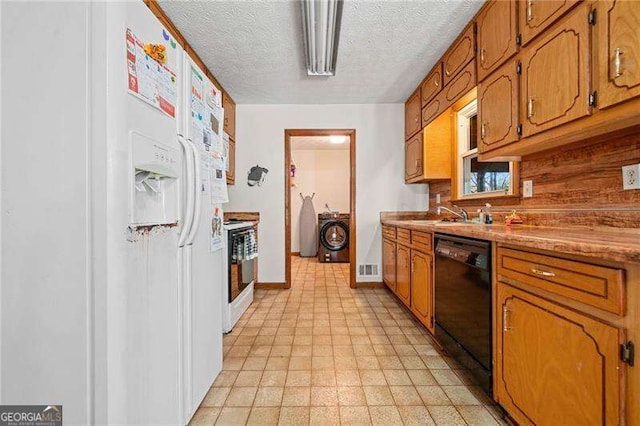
[463, 303]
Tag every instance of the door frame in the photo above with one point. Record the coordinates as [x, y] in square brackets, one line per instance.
[351, 133]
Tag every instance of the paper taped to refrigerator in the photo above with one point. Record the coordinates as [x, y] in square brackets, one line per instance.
[149, 79]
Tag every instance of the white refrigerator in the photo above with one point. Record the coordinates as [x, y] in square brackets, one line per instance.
[110, 293]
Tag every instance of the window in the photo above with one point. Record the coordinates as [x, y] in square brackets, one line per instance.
[476, 178]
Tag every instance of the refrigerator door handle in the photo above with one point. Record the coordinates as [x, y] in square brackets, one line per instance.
[188, 212]
[198, 196]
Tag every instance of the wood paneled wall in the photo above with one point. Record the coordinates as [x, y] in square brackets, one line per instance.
[581, 182]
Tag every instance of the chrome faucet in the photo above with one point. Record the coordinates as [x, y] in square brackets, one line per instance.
[464, 215]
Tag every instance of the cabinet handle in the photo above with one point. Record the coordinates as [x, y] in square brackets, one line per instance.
[505, 313]
[618, 62]
[482, 53]
[529, 10]
[435, 82]
[543, 273]
[413, 266]
[530, 107]
[447, 72]
[483, 130]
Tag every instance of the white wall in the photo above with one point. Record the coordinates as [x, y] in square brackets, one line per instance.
[323, 172]
[379, 172]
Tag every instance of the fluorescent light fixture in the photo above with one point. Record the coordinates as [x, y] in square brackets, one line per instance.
[337, 139]
[321, 31]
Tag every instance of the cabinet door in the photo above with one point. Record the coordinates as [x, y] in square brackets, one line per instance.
[413, 157]
[432, 84]
[498, 108]
[422, 287]
[229, 116]
[231, 173]
[459, 55]
[433, 109]
[555, 75]
[389, 263]
[403, 274]
[412, 115]
[460, 85]
[618, 30]
[537, 15]
[555, 366]
[496, 35]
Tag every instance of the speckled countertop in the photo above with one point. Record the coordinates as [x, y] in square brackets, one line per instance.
[616, 244]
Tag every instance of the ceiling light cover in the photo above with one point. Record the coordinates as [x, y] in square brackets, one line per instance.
[321, 33]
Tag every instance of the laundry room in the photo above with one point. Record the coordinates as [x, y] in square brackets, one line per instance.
[320, 201]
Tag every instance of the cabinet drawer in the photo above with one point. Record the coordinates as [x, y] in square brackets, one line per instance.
[403, 235]
[388, 232]
[595, 285]
[459, 55]
[421, 241]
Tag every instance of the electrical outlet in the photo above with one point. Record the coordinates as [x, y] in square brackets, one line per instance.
[527, 189]
[631, 177]
[437, 198]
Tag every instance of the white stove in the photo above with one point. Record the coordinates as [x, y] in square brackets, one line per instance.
[237, 293]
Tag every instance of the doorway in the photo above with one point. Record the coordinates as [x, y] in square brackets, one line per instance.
[325, 140]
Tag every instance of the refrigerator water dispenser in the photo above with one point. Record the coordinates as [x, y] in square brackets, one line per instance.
[154, 182]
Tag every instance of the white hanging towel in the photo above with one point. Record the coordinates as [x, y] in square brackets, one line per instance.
[308, 228]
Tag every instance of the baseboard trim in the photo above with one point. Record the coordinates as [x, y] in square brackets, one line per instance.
[375, 284]
[269, 286]
[295, 253]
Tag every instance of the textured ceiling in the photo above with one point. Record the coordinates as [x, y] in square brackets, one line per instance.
[255, 48]
[323, 143]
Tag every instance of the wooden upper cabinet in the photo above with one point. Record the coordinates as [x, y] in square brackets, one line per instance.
[229, 116]
[413, 157]
[537, 15]
[459, 54]
[434, 109]
[432, 84]
[460, 85]
[422, 287]
[389, 263]
[403, 274]
[618, 32]
[231, 172]
[497, 32]
[498, 108]
[555, 82]
[412, 115]
[557, 366]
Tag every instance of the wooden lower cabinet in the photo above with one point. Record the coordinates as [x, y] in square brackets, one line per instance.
[403, 274]
[422, 287]
[389, 263]
[554, 365]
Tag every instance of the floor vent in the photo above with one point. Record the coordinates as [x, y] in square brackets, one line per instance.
[368, 270]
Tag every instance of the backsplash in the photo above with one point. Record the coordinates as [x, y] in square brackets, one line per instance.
[581, 185]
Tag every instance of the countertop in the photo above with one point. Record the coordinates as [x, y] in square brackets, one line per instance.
[616, 244]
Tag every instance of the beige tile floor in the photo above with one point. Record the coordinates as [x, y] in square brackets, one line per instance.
[322, 353]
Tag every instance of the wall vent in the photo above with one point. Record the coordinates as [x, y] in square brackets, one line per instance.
[368, 270]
